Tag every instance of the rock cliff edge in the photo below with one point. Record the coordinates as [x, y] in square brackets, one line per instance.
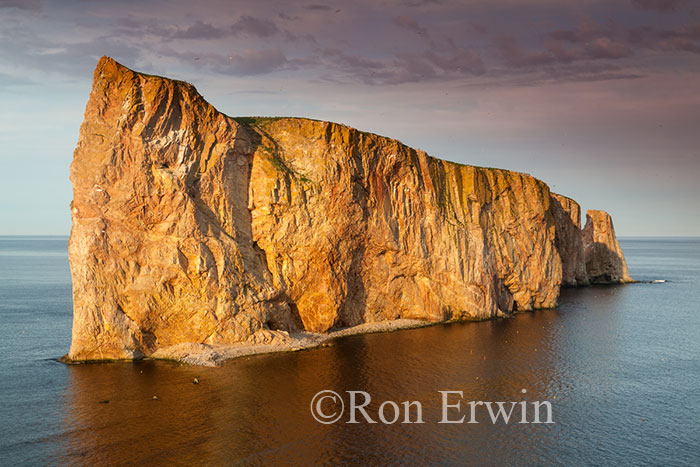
[193, 227]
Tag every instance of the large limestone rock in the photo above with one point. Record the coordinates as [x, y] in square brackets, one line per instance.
[605, 263]
[193, 227]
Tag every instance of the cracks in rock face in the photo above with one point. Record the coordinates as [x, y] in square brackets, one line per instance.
[383, 231]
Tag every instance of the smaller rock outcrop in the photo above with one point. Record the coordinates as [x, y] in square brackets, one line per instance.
[568, 240]
[605, 263]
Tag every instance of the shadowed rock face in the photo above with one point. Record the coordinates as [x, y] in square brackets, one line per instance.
[191, 226]
[605, 263]
[569, 242]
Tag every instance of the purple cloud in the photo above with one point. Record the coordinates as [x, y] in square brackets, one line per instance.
[363, 45]
[200, 30]
[254, 27]
[515, 54]
[409, 23]
[556, 54]
[662, 6]
[255, 62]
[317, 7]
[604, 47]
[458, 60]
[680, 39]
[21, 4]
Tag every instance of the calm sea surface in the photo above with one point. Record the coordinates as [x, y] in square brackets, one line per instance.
[620, 366]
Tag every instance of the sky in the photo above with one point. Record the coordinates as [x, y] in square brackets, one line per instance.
[600, 99]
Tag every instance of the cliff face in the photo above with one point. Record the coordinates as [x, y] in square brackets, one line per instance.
[568, 240]
[605, 263]
[358, 228]
[190, 226]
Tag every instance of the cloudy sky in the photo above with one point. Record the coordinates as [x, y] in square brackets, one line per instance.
[600, 99]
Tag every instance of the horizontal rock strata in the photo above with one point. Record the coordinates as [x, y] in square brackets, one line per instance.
[193, 227]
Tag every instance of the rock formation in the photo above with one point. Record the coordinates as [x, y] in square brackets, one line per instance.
[567, 217]
[605, 263]
[193, 227]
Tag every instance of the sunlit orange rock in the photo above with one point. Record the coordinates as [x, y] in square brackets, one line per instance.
[193, 227]
[605, 263]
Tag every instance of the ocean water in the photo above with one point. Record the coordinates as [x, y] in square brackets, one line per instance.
[620, 366]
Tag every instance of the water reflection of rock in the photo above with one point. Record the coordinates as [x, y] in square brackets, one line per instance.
[256, 410]
[133, 427]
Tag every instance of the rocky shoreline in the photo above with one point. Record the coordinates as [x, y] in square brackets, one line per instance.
[277, 341]
[262, 342]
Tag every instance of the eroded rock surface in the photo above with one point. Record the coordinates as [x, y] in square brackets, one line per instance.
[605, 263]
[569, 242]
[193, 227]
